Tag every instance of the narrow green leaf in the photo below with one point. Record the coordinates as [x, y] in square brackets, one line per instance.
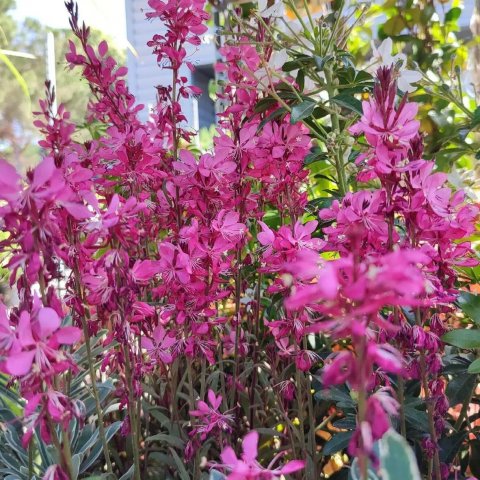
[182, 471]
[302, 110]
[168, 439]
[463, 338]
[476, 117]
[18, 76]
[129, 474]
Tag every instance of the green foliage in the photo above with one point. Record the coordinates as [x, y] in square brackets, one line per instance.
[85, 442]
[397, 460]
[463, 338]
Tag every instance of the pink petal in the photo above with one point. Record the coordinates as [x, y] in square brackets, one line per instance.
[250, 446]
[25, 330]
[21, 363]
[48, 322]
[43, 172]
[77, 210]
[68, 335]
[228, 457]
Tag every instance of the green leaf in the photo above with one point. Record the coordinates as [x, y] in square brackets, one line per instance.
[129, 474]
[168, 439]
[470, 305]
[18, 76]
[397, 460]
[347, 101]
[416, 418]
[476, 117]
[474, 366]
[302, 110]
[95, 452]
[338, 443]
[393, 26]
[463, 338]
[322, 61]
[264, 104]
[216, 475]
[272, 116]
[453, 14]
[76, 461]
[459, 388]
[450, 445]
[182, 471]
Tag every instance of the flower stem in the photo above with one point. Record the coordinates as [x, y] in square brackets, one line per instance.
[339, 166]
[91, 369]
[132, 415]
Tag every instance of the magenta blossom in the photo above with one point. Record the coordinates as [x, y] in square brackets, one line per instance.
[246, 467]
[39, 340]
[209, 417]
[159, 347]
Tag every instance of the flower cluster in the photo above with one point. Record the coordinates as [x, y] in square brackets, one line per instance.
[398, 247]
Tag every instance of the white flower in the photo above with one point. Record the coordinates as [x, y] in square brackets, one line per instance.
[382, 57]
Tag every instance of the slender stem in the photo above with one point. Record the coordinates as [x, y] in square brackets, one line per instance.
[428, 402]
[196, 462]
[238, 279]
[91, 369]
[401, 400]
[311, 420]
[339, 167]
[65, 453]
[132, 414]
[30, 458]
[301, 409]
[362, 407]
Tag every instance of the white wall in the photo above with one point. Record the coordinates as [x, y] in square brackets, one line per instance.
[143, 72]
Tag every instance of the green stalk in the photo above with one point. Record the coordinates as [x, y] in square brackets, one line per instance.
[93, 376]
[430, 409]
[132, 415]
[196, 462]
[339, 166]
[30, 458]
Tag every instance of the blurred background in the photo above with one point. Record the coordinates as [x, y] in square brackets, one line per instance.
[440, 36]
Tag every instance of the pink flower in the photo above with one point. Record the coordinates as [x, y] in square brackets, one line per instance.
[228, 225]
[246, 467]
[39, 340]
[7, 333]
[216, 166]
[174, 264]
[144, 270]
[9, 182]
[210, 418]
[55, 472]
[159, 347]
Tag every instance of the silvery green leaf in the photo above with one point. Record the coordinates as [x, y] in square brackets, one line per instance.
[216, 475]
[397, 460]
[129, 474]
